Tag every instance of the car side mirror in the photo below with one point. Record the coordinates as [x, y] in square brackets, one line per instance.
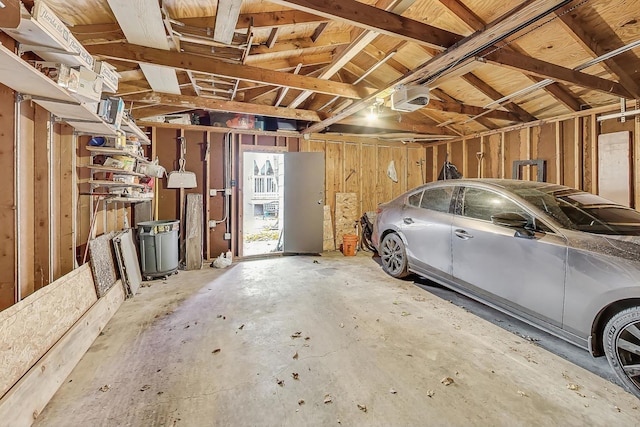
[514, 220]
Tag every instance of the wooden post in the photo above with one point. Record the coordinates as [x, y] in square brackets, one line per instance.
[465, 158]
[577, 151]
[559, 155]
[503, 157]
[594, 154]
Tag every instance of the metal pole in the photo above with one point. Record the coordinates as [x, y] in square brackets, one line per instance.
[16, 196]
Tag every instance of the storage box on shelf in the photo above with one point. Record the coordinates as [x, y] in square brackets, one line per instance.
[117, 174]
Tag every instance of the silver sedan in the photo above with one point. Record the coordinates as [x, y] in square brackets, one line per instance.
[561, 259]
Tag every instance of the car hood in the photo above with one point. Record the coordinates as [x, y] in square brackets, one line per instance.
[627, 247]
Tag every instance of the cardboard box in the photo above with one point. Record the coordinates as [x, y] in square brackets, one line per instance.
[109, 76]
[88, 86]
[57, 72]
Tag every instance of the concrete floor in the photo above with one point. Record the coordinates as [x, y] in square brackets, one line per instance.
[214, 347]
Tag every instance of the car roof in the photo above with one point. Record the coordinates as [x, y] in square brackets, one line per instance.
[506, 184]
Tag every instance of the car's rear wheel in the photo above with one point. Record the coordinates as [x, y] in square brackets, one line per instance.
[393, 255]
[622, 346]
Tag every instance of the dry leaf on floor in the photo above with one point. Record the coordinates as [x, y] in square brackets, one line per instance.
[447, 380]
[296, 334]
[430, 393]
[363, 408]
[315, 261]
[280, 382]
[307, 338]
[241, 327]
[105, 388]
[301, 402]
[295, 356]
[294, 375]
[216, 351]
[522, 393]
[392, 391]
[342, 325]
[145, 387]
[328, 398]
[404, 313]
[574, 387]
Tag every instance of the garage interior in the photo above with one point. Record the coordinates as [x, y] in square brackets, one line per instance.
[379, 95]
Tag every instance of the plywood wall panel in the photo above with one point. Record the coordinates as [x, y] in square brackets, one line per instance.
[68, 196]
[333, 171]
[26, 202]
[416, 166]
[216, 203]
[7, 201]
[546, 149]
[384, 191]
[441, 157]
[473, 147]
[399, 156]
[587, 153]
[493, 154]
[41, 194]
[167, 149]
[369, 178]
[428, 164]
[513, 141]
[569, 161]
[352, 169]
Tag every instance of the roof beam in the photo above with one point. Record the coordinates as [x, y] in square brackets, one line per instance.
[471, 110]
[260, 20]
[195, 102]
[374, 19]
[489, 91]
[579, 33]
[191, 62]
[547, 70]
[521, 16]
[392, 124]
[474, 22]
[226, 19]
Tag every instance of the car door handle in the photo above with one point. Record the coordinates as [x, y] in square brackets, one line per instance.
[408, 220]
[463, 234]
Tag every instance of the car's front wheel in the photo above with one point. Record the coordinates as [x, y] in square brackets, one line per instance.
[622, 346]
[393, 255]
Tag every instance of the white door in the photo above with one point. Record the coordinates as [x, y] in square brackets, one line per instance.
[303, 202]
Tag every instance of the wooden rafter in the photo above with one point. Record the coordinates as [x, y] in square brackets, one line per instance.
[470, 110]
[191, 62]
[579, 33]
[378, 20]
[520, 16]
[547, 70]
[260, 20]
[489, 91]
[194, 102]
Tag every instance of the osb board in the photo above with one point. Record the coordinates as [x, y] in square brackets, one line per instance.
[346, 215]
[513, 144]
[29, 328]
[102, 263]
[24, 401]
[328, 241]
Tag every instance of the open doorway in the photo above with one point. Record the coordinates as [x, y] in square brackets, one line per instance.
[263, 199]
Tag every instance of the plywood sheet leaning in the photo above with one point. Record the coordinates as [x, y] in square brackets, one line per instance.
[128, 263]
[346, 215]
[31, 327]
[102, 265]
[193, 232]
[328, 242]
[28, 397]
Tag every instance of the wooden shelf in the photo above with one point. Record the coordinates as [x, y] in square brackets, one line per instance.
[104, 183]
[128, 199]
[100, 168]
[116, 152]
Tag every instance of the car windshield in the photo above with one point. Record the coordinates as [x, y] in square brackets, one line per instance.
[581, 211]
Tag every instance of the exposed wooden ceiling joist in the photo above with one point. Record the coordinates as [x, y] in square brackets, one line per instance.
[194, 102]
[378, 20]
[191, 62]
[547, 70]
[495, 95]
[260, 20]
[520, 16]
[470, 110]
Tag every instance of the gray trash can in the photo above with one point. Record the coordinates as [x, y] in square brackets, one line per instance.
[158, 247]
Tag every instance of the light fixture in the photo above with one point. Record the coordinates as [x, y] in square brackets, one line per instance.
[2, 6]
[375, 109]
